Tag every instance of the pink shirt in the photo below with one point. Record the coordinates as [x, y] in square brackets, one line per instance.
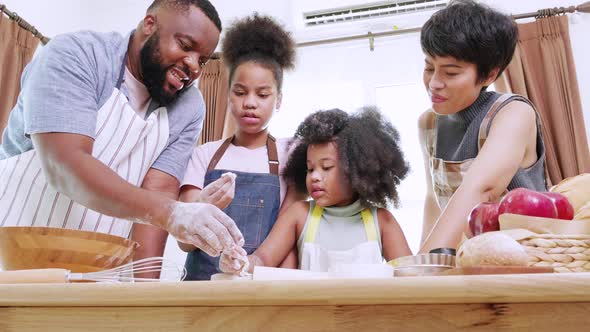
[235, 158]
[139, 96]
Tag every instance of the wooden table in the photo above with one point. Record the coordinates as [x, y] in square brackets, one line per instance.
[539, 302]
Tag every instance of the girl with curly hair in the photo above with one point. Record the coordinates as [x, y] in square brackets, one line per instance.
[351, 166]
[256, 50]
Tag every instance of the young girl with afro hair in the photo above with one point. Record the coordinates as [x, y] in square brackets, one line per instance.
[256, 50]
[351, 166]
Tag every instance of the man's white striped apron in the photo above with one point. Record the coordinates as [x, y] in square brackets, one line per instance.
[124, 141]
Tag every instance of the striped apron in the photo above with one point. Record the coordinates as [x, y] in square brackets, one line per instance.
[446, 175]
[124, 141]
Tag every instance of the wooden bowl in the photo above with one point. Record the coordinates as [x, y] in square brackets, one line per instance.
[78, 251]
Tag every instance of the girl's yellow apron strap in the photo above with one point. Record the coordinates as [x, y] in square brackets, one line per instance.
[314, 222]
[369, 225]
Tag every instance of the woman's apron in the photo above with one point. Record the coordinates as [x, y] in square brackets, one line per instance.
[124, 142]
[446, 175]
[315, 258]
[254, 209]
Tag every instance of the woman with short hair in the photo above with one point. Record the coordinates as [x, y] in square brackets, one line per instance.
[477, 144]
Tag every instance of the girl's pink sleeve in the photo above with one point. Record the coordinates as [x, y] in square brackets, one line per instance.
[196, 168]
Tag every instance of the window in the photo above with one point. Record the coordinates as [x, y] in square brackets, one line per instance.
[403, 104]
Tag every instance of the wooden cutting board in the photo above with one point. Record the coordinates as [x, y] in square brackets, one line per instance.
[490, 269]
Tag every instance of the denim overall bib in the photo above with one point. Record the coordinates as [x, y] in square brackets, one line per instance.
[254, 209]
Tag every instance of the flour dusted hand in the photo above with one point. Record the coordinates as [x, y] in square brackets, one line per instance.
[204, 226]
[234, 261]
[220, 192]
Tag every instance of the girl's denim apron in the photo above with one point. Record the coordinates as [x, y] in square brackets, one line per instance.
[254, 209]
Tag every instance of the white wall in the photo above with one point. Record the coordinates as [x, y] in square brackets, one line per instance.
[346, 75]
[59, 16]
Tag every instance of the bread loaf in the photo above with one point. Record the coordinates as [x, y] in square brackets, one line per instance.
[577, 191]
[492, 248]
[583, 213]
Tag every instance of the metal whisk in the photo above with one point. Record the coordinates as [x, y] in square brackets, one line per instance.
[130, 272]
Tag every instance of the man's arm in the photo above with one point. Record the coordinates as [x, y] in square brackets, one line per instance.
[152, 240]
[188, 193]
[71, 169]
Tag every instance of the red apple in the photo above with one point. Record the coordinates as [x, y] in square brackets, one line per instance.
[484, 218]
[565, 210]
[529, 203]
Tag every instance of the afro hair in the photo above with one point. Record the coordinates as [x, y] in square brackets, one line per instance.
[368, 149]
[260, 39]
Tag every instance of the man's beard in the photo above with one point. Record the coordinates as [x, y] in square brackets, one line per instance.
[153, 72]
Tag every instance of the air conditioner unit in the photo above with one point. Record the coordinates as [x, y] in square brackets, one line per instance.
[324, 19]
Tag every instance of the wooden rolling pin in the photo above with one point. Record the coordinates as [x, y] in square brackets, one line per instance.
[39, 276]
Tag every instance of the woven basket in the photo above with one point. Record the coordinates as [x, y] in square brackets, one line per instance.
[563, 245]
[563, 252]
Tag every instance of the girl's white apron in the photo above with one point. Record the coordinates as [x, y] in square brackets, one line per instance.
[315, 258]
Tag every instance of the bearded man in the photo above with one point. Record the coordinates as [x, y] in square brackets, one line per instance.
[104, 126]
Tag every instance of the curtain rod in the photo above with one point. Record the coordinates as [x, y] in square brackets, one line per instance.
[24, 24]
[584, 8]
[369, 35]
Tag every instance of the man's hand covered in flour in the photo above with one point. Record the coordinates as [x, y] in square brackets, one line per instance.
[220, 192]
[204, 226]
[234, 260]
